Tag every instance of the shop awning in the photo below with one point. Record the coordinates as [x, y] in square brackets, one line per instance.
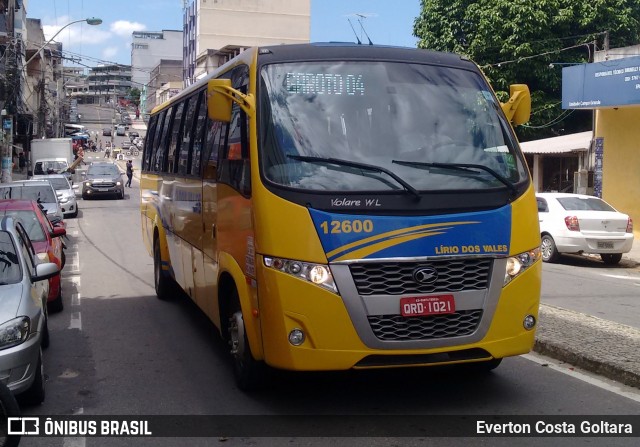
[575, 142]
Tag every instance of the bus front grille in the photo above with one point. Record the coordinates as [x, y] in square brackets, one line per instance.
[397, 278]
[397, 327]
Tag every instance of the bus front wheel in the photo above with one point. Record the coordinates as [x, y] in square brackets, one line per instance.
[249, 373]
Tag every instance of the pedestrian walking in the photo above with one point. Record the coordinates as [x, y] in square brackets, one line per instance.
[22, 162]
[129, 173]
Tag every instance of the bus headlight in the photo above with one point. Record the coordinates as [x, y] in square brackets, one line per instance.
[519, 263]
[318, 274]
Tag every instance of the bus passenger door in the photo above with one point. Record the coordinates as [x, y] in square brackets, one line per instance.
[206, 277]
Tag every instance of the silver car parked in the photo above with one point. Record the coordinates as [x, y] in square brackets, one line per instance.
[39, 191]
[23, 312]
[64, 190]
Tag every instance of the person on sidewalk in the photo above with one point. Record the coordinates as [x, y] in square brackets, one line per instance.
[129, 173]
[22, 162]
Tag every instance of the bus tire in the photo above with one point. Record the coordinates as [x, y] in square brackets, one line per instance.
[163, 284]
[249, 373]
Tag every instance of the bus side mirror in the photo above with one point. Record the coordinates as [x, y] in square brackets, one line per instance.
[220, 98]
[518, 107]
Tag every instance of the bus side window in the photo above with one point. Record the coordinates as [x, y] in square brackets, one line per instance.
[175, 132]
[148, 144]
[198, 135]
[160, 159]
[184, 158]
[155, 153]
[234, 166]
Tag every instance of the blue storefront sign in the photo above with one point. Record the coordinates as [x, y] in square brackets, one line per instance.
[611, 83]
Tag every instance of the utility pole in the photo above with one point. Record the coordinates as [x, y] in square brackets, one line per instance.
[7, 112]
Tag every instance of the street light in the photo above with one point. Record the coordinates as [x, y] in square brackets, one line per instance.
[90, 21]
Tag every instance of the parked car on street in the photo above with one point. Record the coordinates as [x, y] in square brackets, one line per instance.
[23, 315]
[64, 190]
[106, 132]
[103, 178]
[576, 223]
[45, 239]
[39, 190]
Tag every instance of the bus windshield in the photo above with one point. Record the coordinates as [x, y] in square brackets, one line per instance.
[433, 127]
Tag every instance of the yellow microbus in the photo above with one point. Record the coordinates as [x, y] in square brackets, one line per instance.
[334, 206]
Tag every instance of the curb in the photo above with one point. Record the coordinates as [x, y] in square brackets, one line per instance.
[600, 346]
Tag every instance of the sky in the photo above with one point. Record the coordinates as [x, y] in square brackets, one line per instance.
[387, 22]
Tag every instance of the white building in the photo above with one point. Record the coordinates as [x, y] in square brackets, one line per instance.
[148, 48]
[215, 31]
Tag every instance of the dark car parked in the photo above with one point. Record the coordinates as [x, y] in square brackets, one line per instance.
[106, 132]
[103, 178]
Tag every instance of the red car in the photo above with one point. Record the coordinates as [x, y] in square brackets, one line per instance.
[45, 239]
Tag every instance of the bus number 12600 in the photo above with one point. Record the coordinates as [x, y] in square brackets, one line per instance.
[347, 226]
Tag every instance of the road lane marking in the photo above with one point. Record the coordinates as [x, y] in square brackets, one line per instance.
[76, 441]
[76, 321]
[592, 379]
[75, 299]
[632, 278]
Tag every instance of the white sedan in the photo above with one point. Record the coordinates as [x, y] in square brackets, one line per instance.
[576, 223]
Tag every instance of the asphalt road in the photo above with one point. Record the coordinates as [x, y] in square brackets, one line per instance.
[585, 284]
[116, 349]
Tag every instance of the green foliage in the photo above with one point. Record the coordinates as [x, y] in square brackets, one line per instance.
[134, 95]
[515, 41]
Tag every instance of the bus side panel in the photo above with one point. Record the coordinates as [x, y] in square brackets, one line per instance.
[206, 282]
[285, 229]
[236, 255]
[156, 220]
[525, 230]
[166, 207]
[148, 211]
[247, 293]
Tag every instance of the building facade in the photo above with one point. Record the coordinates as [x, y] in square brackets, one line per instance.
[216, 30]
[148, 48]
[105, 84]
[611, 87]
[167, 71]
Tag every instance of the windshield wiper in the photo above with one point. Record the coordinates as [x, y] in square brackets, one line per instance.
[466, 167]
[355, 164]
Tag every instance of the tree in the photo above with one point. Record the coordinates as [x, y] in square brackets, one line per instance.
[134, 95]
[516, 42]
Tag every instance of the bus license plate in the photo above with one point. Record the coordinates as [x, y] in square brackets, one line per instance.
[427, 305]
[605, 244]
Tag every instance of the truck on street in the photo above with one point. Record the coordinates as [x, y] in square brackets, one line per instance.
[50, 156]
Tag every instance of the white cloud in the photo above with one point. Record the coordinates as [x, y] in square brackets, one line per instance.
[109, 53]
[124, 28]
[76, 34]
